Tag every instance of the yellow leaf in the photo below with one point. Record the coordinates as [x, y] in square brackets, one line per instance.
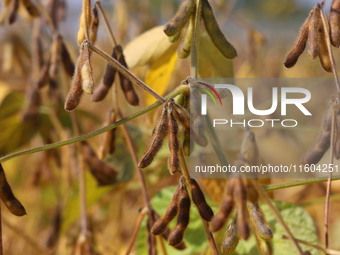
[159, 75]
[148, 47]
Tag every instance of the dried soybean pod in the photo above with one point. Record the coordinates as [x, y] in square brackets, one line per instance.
[240, 197]
[184, 48]
[94, 25]
[184, 12]
[252, 194]
[103, 173]
[188, 145]
[225, 209]
[55, 56]
[199, 200]
[334, 23]
[315, 24]
[86, 71]
[161, 132]
[313, 155]
[6, 195]
[108, 142]
[82, 25]
[258, 221]
[14, 10]
[230, 240]
[171, 212]
[174, 145]
[176, 235]
[300, 45]
[264, 246]
[107, 81]
[126, 85]
[66, 60]
[324, 55]
[180, 246]
[76, 90]
[175, 37]
[31, 8]
[215, 33]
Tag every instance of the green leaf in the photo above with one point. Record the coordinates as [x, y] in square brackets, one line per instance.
[299, 222]
[195, 237]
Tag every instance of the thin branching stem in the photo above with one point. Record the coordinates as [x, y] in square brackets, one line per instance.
[120, 68]
[277, 214]
[194, 48]
[107, 25]
[141, 216]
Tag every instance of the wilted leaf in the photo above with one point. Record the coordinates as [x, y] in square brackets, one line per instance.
[148, 47]
[159, 75]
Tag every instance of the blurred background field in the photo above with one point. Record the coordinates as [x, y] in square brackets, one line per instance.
[262, 31]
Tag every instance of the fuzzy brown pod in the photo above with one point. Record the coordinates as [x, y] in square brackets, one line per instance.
[104, 174]
[314, 154]
[107, 81]
[199, 200]
[66, 60]
[252, 194]
[174, 145]
[230, 240]
[31, 8]
[315, 26]
[257, 219]
[94, 25]
[188, 145]
[184, 203]
[7, 196]
[183, 14]
[171, 212]
[300, 45]
[215, 33]
[225, 209]
[86, 70]
[126, 85]
[161, 131]
[13, 11]
[107, 145]
[240, 197]
[334, 23]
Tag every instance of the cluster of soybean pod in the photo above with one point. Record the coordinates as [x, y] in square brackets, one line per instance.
[314, 32]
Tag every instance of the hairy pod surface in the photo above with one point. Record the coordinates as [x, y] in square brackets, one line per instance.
[183, 14]
[66, 60]
[223, 213]
[107, 81]
[126, 85]
[240, 197]
[314, 154]
[188, 145]
[230, 240]
[252, 194]
[185, 47]
[108, 142]
[7, 196]
[315, 26]
[264, 246]
[103, 173]
[86, 71]
[76, 91]
[334, 23]
[31, 8]
[174, 144]
[199, 200]
[257, 219]
[94, 25]
[176, 235]
[161, 132]
[215, 33]
[171, 212]
[300, 45]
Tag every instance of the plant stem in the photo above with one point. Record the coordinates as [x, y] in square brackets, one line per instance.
[194, 48]
[178, 91]
[277, 214]
[139, 170]
[120, 68]
[107, 25]
[185, 172]
[86, 6]
[141, 216]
